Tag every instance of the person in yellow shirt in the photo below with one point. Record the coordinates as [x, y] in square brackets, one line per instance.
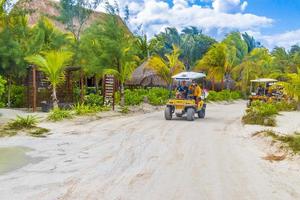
[195, 90]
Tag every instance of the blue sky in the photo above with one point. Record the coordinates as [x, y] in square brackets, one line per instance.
[273, 22]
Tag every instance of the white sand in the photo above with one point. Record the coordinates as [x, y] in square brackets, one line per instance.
[144, 157]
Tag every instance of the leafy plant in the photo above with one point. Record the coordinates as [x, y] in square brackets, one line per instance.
[158, 96]
[59, 114]
[260, 113]
[82, 109]
[52, 63]
[94, 100]
[30, 121]
[17, 96]
[2, 90]
[285, 105]
[224, 95]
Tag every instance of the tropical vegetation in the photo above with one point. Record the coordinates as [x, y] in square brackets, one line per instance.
[105, 45]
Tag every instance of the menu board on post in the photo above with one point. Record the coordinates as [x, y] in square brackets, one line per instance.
[109, 91]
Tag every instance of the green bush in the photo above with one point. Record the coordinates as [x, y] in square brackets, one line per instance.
[30, 121]
[134, 97]
[93, 100]
[224, 95]
[285, 106]
[59, 114]
[261, 113]
[17, 96]
[158, 96]
[2, 91]
[83, 109]
[155, 96]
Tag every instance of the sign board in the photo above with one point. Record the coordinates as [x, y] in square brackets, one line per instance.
[109, 91]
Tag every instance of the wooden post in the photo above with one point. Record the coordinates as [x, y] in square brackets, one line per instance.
[34, 88]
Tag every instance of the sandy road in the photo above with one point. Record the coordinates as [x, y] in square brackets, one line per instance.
[146, 157]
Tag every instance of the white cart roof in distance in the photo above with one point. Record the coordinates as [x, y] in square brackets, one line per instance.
[188, 76]
[264, 80]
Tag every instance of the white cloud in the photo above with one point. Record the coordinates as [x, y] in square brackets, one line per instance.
[223, 16]
[285, 40]
[155, 14]
[227, 6]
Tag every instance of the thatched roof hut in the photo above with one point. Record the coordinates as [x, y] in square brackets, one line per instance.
[146, 77]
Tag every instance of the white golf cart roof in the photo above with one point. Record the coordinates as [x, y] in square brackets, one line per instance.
[263, 80]
[186, 76]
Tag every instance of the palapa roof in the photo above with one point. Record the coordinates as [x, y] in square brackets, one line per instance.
[144, 76]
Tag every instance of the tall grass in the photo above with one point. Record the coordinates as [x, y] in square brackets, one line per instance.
[30, 121]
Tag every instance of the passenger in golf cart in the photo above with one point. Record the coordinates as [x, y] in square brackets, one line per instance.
[193, 91]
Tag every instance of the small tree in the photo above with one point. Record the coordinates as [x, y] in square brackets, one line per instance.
[167, 67]
[53, 64]
[116, 49]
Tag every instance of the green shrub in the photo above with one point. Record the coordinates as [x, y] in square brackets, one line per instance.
[155, 96]
[30, 121]
[134, 97]
[224, 95]
[285, 106]
[2, 91]
[83, 109]
[17, 96]
[59, 114]
[260, 113]
[158, 96]
[93, 100]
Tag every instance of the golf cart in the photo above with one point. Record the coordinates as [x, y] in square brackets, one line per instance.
[264, 89]
[186, 106]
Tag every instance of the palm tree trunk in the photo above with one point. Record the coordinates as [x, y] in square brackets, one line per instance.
[54, 97]
[122, 94]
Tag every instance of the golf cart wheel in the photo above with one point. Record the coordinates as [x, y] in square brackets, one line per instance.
[168, 113]
[190, 114]
[201, 113]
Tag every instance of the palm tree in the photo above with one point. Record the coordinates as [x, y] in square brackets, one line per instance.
[292, 87]
[167, 67]
[214, 63]
[256, 64]
[53, 64]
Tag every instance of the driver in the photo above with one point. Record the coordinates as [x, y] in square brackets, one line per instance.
[182, 89]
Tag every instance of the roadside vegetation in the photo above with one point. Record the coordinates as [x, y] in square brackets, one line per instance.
[26, 124]
[224, 95]
[290, 142]
[263, 113]
[106, 45]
